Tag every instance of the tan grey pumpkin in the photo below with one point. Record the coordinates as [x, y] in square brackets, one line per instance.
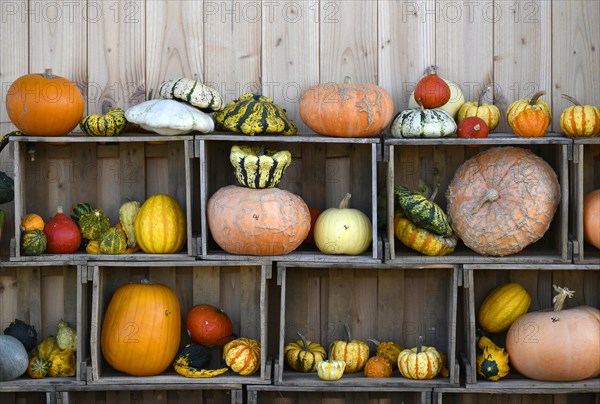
[502, 200]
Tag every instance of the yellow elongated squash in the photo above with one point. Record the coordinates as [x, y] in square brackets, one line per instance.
[503, 306]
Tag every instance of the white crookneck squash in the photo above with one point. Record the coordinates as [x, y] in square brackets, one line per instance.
[169, 117]
[423, 123]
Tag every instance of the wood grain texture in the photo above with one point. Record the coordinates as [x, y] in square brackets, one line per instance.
[522, 53]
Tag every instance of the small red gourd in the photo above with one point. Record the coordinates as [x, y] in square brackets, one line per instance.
[314, 215]
[62, 234]
[208, 325]
[472, 127]
[432, 90]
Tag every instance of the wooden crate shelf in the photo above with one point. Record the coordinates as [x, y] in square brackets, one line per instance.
[388, 304]
[42, 296]
[585, 178]
[332, 393]
[238, 288]
[323, 170]
[29, 397]
[435, 161]
[105, 172]
[175, 394]
[528, 394]
[480, 280]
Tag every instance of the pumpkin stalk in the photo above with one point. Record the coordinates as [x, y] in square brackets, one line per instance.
[421, 105]
[482, 94]
[48, 73]
[347, 80]
[436, 188]
[262, 150]
[345, 203]
[304, 344]
[347, 328]
[535, 97]
[569, 98]
[420, 344]
[431, 70]
[490, 196]
[559, 300]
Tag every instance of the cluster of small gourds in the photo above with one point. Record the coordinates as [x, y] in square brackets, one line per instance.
[55, 356]
[352, 356]
[571, 335]
[64, 235]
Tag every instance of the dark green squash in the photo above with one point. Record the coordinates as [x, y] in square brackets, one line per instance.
[255, 114]
[194, 355]
[7, 188]
[23, 332]
[80, 209]
[33, 242]
[93, 224]
[421, 211]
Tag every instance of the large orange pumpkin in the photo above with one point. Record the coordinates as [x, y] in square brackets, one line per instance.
[556, 345]
[268, 221]
[141, 329]
[502, 200]
[591, 218]
[346, 110]
[44, 104]
[160, 225]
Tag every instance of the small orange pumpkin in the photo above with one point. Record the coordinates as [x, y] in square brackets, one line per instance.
[377, 366]
[529, 117]
[347, 110]
[580, 120]
[32, 221]
[44, 104]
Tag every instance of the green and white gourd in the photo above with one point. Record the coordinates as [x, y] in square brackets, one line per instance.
[431, 123]
[33, 242]
[205, 98]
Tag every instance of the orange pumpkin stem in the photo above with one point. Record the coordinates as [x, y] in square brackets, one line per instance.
[573, 100]
[559, 300]
[482, 94]
[535, 97]
[345, 203]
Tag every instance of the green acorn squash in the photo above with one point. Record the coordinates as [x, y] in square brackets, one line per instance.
[255, 114]
[7, 188]
[23, 332]
[422, 212]
[112, 241]
[93, 224]
[80, 209]
[33, 242]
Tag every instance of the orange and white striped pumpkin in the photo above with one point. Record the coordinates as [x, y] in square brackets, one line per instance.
[580, 120]
[242, 355]
[420, 362]
[160, 225]
[354, 352]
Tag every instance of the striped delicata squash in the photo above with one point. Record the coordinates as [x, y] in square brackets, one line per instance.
[255, 114]
[111, 124]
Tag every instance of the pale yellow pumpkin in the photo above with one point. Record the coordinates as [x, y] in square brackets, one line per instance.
[343, 230]
[160, 225]
[420, 363]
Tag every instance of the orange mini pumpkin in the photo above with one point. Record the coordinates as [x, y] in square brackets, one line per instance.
[44, 104]
[529, 117]
[347, 110]
[32, 221]
[377, 366]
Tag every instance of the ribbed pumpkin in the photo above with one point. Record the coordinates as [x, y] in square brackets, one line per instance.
[242, 355]
[580, 120]
[503, 306]
[44, 104]
[32, 221]
[141, 328]
[529, 117]
[354, 352]
[377, 366]
[331, 370]
[489, 113]
[112, 241]
[343, 230]
[268, 221]
[33, 242]
[346, 110]
[303, 355]
[557, 345]
[502, 200]
[420, 363]
[591, 218]
[160, 225]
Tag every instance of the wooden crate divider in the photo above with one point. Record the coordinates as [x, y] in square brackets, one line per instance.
[388, 304]
[480, 280]
[41, 295]
[323, 170]
[585, 178]
[105, 172]
[436, 160]
[238, 288]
